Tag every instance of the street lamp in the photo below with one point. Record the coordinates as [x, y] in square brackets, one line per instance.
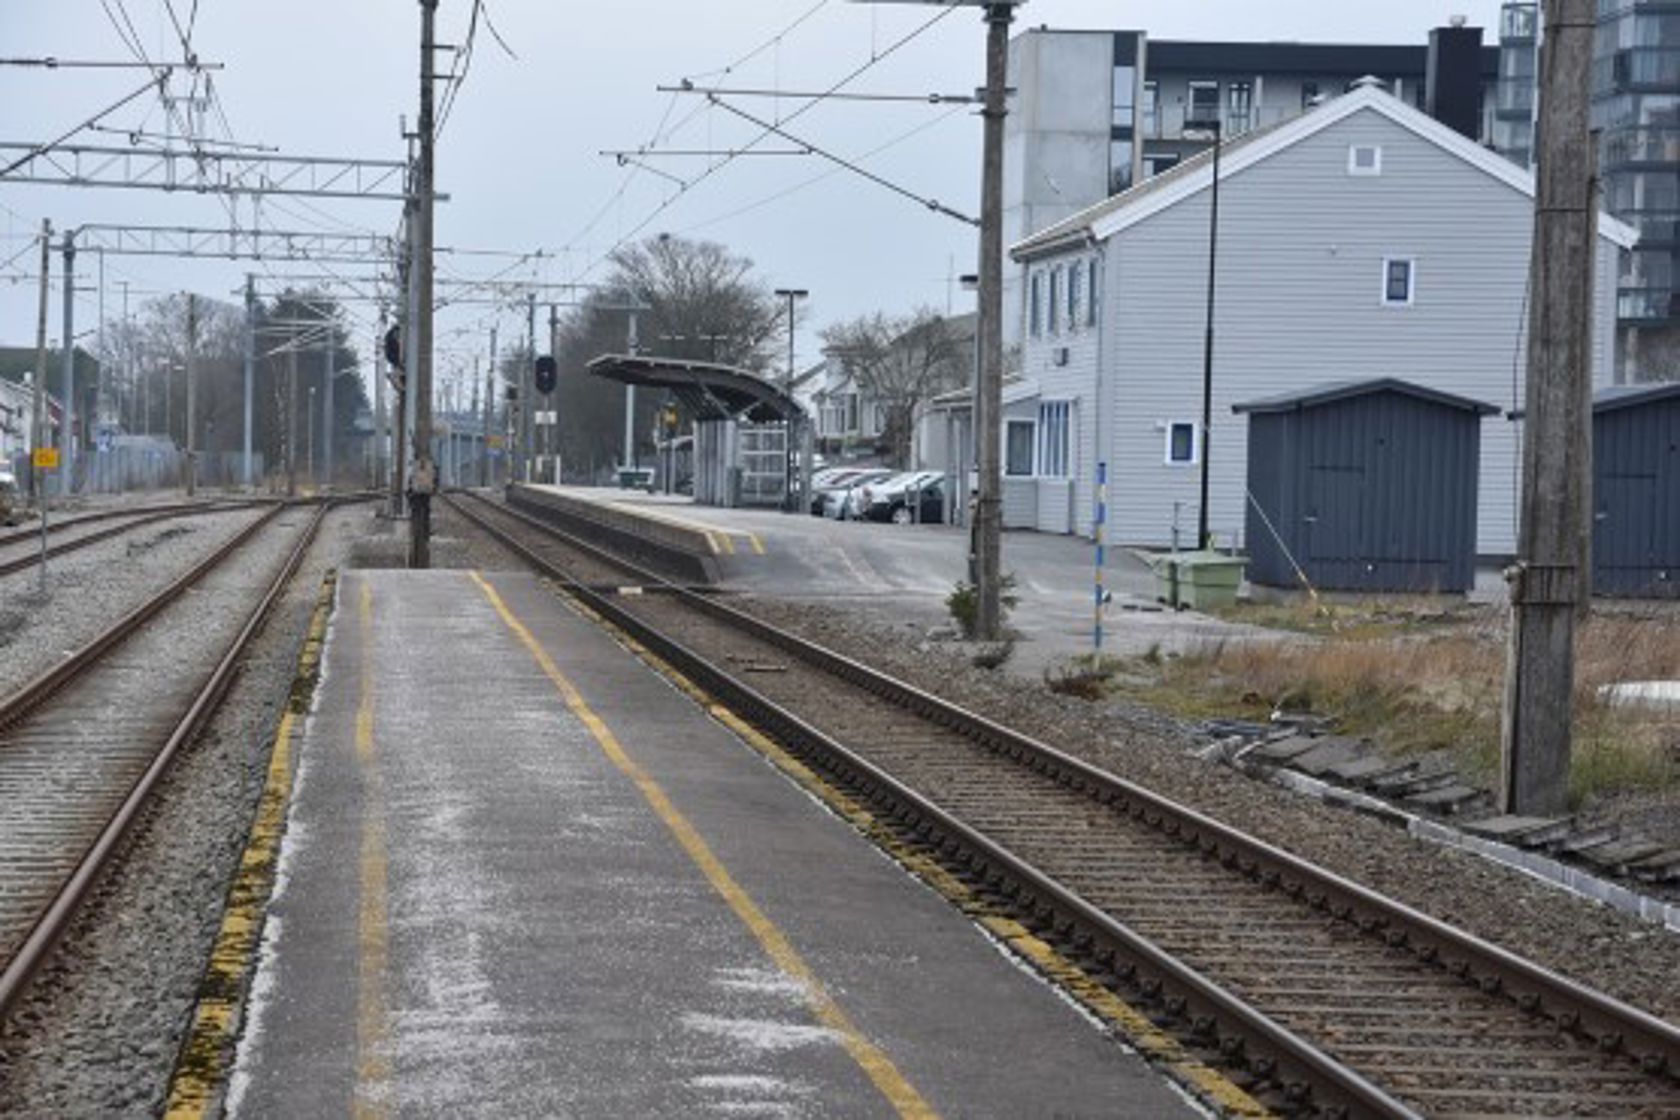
[1204, 538]
[988, 393]
[789, 294]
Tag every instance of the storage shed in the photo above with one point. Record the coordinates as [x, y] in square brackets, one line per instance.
[1636, 491]
[1365, 485]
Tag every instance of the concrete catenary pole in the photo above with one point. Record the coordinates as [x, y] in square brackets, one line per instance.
[551, 433]
[528, 389]
[424, 475]
[1550, 581]
[192, 395]
[634, 345]
[489, 412]
[67, 385]
[988, 393]
[376, 471]
[38, 406]
[330, 376]
[246, 467]
[291, 417]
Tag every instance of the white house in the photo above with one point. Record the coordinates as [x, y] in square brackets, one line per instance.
[847, 417]
[1362, 239]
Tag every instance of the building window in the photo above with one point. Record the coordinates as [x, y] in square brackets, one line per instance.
[1035, 304]
[1125, 95]
[1094, 276]
[1053, 439]
[1309, 95]
[1076, 292]
[1152, 110]
[1204, 106]
[1239, 100]
[1365, 159]
[1399, 281]
[1183, 446]
[851, 412]
[1120, 165]
[1018, 448]
[1055, 300]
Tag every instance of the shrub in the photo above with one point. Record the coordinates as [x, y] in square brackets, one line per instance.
[964, 604]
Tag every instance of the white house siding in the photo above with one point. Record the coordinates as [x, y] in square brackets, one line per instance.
[1074, 382]
[1299, 303]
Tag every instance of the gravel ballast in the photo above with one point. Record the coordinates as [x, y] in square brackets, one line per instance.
[99, 1031]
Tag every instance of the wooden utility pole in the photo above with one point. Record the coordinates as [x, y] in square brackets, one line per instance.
[1551, 581]
[988, 390]
[423, 478]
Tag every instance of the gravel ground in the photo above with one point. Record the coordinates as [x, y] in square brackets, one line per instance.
[1623, 956]
[90, 589]
[99, 1033]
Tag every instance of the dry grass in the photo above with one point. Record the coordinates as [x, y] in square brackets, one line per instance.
[1434, 681]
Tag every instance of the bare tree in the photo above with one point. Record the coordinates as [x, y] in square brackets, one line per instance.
[900, 362]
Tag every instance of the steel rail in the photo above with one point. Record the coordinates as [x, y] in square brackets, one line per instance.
[32, 533]
[43, 938]
[1612, 1024]
[142, 519]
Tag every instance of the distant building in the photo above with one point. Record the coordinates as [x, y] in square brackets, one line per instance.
[1362, 239]
[1097, 111]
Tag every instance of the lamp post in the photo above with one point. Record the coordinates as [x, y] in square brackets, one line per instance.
[1203, 533]
[791, 295]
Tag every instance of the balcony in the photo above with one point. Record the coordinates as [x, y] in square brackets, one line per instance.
[1521, 22]
[1656, 68]
[1514, 98]
[1647, 305]
[1177, 122]
[1632, 147]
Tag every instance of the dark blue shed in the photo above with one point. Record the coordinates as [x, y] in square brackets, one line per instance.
[1366, 485]
[1636, 491]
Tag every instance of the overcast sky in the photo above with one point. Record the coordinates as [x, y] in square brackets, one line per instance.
[518, 153]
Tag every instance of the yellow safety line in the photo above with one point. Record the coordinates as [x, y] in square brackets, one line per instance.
[1134, 1026]
[206, 1055]
[892, 1084]
[373, 1062]
[757, 545]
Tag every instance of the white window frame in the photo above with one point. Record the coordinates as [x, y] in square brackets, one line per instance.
[1353, 167]
[1011, 422]
[1411, 282]
[1167, 429]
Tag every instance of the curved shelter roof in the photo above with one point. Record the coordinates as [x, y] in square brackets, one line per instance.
[708, 390]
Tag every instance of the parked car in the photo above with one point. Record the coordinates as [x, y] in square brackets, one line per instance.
[8, 498]
[838, 498]
[903, 498]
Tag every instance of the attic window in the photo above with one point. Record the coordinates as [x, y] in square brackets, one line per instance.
[1365, 159]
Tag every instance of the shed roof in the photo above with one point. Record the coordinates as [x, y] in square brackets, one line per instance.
[709, 391]
[1614, 397]
[1345, 390]
[1157, 193]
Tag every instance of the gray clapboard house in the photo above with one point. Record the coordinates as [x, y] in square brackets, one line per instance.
[1361, 240]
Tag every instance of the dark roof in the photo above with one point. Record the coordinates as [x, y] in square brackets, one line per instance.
[1631, 396]
[1344, 390]
[708, 390]
[1347, 60]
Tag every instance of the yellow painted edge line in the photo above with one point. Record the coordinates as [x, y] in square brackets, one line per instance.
[1160, 1047]
[373, 1061]
[757, 544]
[892, 1084]
[206, 1054]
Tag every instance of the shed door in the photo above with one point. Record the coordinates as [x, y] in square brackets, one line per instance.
[1625, 530]
[1335, 514]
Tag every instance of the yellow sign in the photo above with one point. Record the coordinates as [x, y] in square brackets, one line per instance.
[495, 441]
[46, 458]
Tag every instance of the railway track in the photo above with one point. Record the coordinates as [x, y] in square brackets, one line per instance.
[21, 550]
[1318, 995]
[83, 745]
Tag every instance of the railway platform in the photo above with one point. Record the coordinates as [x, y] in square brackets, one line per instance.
[525, 873]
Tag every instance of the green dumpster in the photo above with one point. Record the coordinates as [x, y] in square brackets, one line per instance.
[1198, 580]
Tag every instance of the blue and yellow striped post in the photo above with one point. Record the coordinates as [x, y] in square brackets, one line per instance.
[1098, 525]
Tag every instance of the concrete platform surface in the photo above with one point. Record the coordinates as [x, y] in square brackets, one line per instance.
[908, 570]
[524, 875]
